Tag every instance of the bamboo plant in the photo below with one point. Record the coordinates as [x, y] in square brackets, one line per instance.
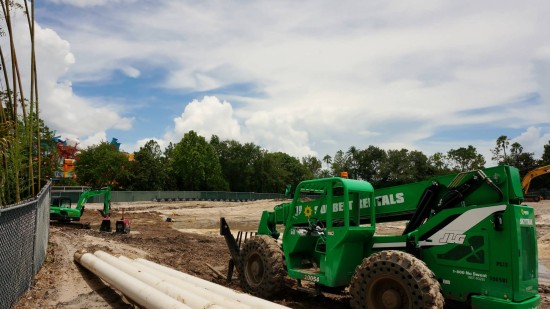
[20, 125]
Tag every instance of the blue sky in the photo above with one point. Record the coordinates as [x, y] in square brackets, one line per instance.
[303, 77]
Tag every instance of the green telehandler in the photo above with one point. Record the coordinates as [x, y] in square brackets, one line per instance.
[468, 242]
[61, 209]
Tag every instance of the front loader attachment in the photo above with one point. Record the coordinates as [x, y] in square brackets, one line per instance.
[234, 246]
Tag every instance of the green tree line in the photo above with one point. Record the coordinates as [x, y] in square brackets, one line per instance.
[227, 165]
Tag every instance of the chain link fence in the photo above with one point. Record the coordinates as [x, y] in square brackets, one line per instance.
[23, 244]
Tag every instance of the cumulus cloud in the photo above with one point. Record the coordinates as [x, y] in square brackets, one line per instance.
[207, 117]
[94, 139]
[62, 110]
[68, 113]
[279, 134]
[387, 74]
[533, 140]
[163, 143]
[210, 116]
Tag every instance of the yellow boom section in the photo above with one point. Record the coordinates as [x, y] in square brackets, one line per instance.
[526, 181]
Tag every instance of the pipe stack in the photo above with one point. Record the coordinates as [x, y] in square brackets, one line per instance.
[152, 285]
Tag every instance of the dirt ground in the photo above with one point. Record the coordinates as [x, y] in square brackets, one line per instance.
[189, 243]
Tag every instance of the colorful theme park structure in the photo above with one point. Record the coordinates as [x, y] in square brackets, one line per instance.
[68, 153]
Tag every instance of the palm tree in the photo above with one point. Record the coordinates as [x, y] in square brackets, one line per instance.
[327, 159]
[351, 161]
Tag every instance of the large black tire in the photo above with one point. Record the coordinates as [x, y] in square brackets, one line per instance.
[263, 270]
[394, 280]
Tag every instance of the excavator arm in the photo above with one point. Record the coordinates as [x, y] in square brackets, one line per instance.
[106, 192]
[526, 181]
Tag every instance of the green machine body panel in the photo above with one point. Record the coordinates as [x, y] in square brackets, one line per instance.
[61, 210]
[469, 228]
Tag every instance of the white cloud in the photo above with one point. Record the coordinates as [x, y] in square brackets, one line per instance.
[131, 71]
[541, 68]
[68, 113]
[207, 117]
[210, 116]
[94, 139]
[533, 140]
[89, 3]
[62, 110]
[389, 74]
[140, 143]
[277, 132]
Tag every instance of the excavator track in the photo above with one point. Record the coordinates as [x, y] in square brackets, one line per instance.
[76, 225]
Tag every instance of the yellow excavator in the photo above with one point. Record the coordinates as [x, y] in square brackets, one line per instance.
[526, 182]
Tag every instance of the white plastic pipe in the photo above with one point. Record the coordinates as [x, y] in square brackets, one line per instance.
[224, 300]
[135, 290]
[250, 300]
[186, 297]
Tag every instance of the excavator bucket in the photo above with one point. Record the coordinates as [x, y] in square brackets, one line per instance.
[105, 225]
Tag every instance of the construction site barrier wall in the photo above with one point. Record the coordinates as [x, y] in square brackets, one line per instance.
[23, 244]
[166, 196]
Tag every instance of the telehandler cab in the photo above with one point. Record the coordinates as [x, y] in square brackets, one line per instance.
[468, 242]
